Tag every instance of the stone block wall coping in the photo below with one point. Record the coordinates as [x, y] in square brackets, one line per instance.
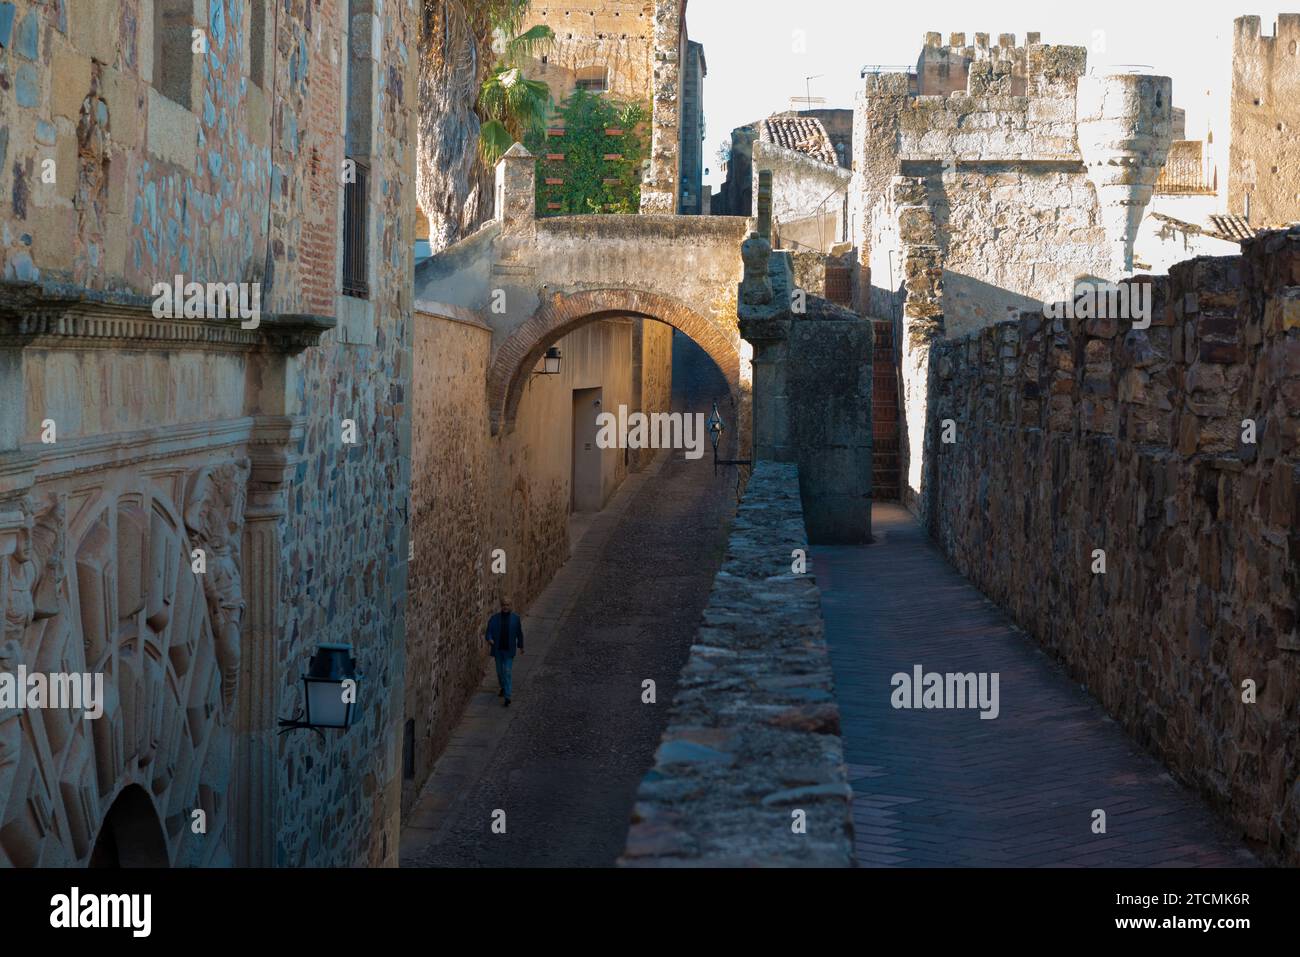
[754, 734]
[428, 309]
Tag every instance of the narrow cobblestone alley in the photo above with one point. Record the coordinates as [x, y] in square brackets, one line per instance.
[565, 759]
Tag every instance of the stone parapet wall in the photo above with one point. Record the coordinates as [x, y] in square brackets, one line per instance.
[754, 734]
[1074, 435]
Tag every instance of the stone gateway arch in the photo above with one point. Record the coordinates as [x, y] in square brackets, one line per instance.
[533, 281]
[561, 313]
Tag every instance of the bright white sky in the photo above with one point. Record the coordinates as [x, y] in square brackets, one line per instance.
[754, 69]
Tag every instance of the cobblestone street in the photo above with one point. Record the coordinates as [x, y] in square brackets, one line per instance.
[565, 759]
[945, 788]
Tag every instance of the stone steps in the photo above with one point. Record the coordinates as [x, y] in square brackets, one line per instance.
[884, 415]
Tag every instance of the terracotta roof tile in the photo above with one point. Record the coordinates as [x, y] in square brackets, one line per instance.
[804, 134]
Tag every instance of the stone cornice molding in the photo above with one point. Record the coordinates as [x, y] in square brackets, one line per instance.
[275, 448]
[113, 450]
[74, 317]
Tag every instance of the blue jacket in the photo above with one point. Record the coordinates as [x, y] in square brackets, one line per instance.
[514, 638]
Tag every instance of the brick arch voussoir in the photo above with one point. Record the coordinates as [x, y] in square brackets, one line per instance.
[560, 314]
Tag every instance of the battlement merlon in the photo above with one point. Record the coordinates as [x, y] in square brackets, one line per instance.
[981, 49]
[1248, 32]
[1046, 69]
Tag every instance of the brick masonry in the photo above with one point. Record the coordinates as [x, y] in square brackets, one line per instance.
[754, 735]
[1080, 434]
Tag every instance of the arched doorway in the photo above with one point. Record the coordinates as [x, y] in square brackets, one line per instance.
[132, 835]
[513, 362]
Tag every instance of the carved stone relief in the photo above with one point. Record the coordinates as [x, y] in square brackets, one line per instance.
[214, 515]
[98, 579]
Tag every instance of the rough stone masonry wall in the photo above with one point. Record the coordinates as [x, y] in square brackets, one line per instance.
[652, 371]
[755, 731]
[240, 184]
[451, 492]
[659, 189]
[1080, 435]
[345, 546]
[143, 188]
[616, 36]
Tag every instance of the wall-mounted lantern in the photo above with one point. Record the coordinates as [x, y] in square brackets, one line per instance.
[716, 427]
[329, 691]
[550, 362]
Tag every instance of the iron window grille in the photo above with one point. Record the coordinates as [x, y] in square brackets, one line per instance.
[355, 221]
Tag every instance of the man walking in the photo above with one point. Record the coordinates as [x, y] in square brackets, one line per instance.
[504, 636]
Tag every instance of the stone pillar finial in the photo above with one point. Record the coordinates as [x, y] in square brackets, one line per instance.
[516, 196]
[756, 286]
[765, 204]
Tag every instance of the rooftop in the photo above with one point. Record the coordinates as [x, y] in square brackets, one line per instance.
[803, 134]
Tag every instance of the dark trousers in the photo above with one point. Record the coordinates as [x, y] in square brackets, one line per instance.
[504, 666]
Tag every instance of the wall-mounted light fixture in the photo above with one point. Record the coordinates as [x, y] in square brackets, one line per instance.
[716, 427]
[550, 362]
[329, 691]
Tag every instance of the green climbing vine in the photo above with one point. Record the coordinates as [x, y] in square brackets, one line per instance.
[594, 164]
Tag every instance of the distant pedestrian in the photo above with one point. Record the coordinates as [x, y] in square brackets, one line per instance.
[505, 636]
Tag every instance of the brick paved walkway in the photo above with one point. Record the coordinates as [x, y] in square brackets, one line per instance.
[945, 788]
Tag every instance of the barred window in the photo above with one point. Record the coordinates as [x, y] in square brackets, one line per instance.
[355, 214]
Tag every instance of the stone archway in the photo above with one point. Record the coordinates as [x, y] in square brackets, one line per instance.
[132, 835]
[560, 314]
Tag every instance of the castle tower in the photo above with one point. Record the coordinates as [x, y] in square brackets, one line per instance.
[1124, 131]
[1263, 166]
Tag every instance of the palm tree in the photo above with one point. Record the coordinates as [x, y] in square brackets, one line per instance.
[511, 105]
[453, 181]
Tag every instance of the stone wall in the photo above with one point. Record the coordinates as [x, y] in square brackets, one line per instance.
[1078, 435]
[813, 401]
[1012, 207]
[1263, 168]
[661, 187]
[753, 741]
[608, 39]
[450, 503]
[808, 198]
[652, 371]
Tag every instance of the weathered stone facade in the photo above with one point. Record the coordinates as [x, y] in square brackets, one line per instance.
[220, 163]
[1263, 168]
[754, 736]
[637, 51]
[1176, 451]
[809, 187]
[988, 182]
